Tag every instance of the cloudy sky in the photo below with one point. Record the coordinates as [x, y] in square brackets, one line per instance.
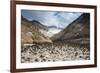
[51, 18]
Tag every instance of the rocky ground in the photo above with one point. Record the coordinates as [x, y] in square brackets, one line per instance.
[53, 52]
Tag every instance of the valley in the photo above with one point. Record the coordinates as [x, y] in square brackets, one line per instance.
[38, 44]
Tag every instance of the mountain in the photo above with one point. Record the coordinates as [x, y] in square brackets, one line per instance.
[53, 30]
[76, 32]
[41, 26]
[30, 32]
[55, 27]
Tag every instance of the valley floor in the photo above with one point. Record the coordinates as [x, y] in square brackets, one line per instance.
[53, 52]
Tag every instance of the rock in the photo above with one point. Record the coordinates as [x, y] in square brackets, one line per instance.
[55, 53]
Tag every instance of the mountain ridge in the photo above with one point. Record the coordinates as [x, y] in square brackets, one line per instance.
[30, 33]
[78, 29]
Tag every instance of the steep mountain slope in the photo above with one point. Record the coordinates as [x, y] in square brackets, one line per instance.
[76, 32]
[30, 32]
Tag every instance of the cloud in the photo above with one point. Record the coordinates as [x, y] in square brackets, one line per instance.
[51, 18]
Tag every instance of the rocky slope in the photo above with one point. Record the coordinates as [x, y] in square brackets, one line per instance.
[30, 32]
[76, 32]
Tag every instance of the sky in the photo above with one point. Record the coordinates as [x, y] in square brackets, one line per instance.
[51, 18]
[59, 19]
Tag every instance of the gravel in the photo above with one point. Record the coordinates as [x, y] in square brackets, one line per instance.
[53, 52]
